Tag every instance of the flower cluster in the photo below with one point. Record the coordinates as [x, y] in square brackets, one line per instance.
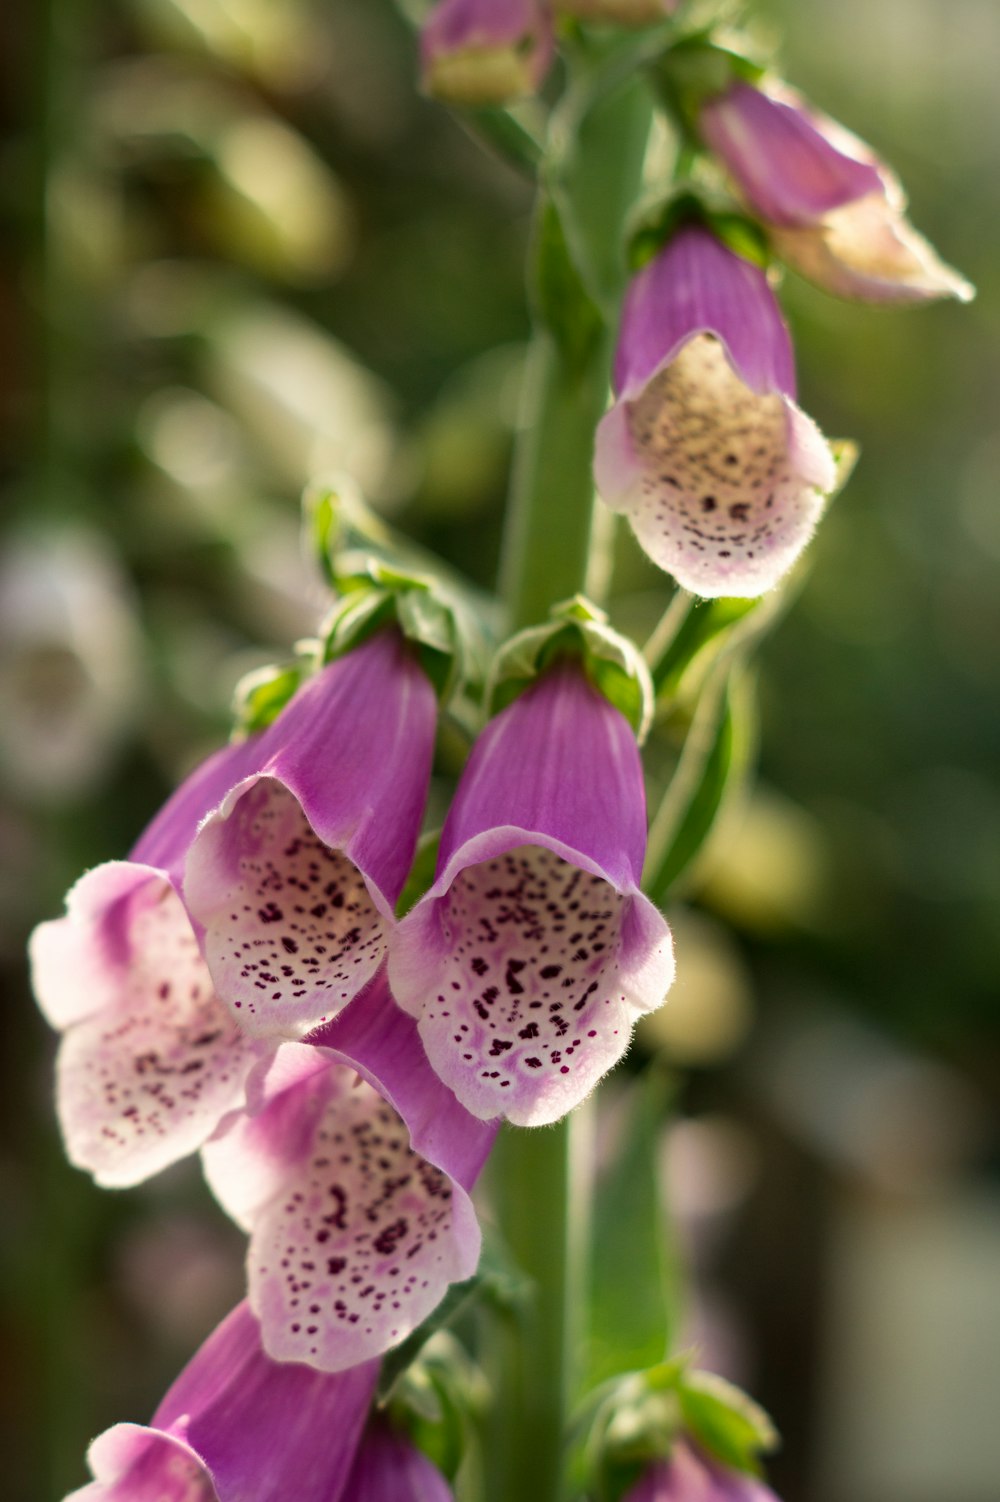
[241, 985]
[722, 477]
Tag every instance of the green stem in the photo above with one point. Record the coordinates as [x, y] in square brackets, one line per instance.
[540, 1188]
[547, 546]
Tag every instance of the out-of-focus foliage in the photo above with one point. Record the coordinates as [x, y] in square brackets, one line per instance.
[262, 254]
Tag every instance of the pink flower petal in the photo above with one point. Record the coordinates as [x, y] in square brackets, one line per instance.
[131, 1463]
[354, 1236]
[291, 930]
[732, 481]
[145, 1079]
[522, 982]
[869, 252]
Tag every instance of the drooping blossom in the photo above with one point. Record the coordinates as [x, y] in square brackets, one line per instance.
[721, 475]
[389, 1468]
[619, 12]
[298, 842]
[238, 1427]
[351, 1174]
[533, 953]
[481, 52]
[691, 1476]
[293, 876]
[834, 211]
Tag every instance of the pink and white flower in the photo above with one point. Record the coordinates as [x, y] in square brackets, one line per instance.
[721, 475]
[481, 52]
[296, 843]
[352, 1174]
[834, 211]
[238, 1427]
[530, 958]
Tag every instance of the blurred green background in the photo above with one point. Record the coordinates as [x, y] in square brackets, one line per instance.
[240, 250]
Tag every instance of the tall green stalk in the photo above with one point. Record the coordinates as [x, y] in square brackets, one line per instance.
[541, 1196]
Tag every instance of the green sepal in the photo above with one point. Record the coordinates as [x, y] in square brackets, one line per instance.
[262, 694]
[378, 595]
[630, 1423]
[578, 629]
[655, 222]
[724, 1421]
[702, 65]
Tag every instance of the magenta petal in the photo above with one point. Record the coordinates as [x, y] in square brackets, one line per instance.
[529, 959]
[389, 1468]
[562, 763]
[238, 1427]
[131, 1463]
[264, 1427]
[379, 1040]
[697, 285]
[781, 158]
[76, 961]
[691, 1476]
[293, 878]
[355, 1236]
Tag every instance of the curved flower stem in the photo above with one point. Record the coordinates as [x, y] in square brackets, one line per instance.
[539, 1180]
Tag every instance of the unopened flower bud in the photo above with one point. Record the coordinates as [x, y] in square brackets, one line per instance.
[483, 52]
[835, 213]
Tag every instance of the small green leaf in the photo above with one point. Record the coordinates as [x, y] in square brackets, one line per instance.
[716, 752]
[635, 1292]
[507, 136]
[725, 1421]
[562, 302]
[613, 664]
[704, 623]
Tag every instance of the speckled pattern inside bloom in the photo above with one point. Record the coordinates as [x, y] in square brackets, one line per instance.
[357, 1248]
[295, 934]
[721, 495]
[531, 972]
[145, 1081]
